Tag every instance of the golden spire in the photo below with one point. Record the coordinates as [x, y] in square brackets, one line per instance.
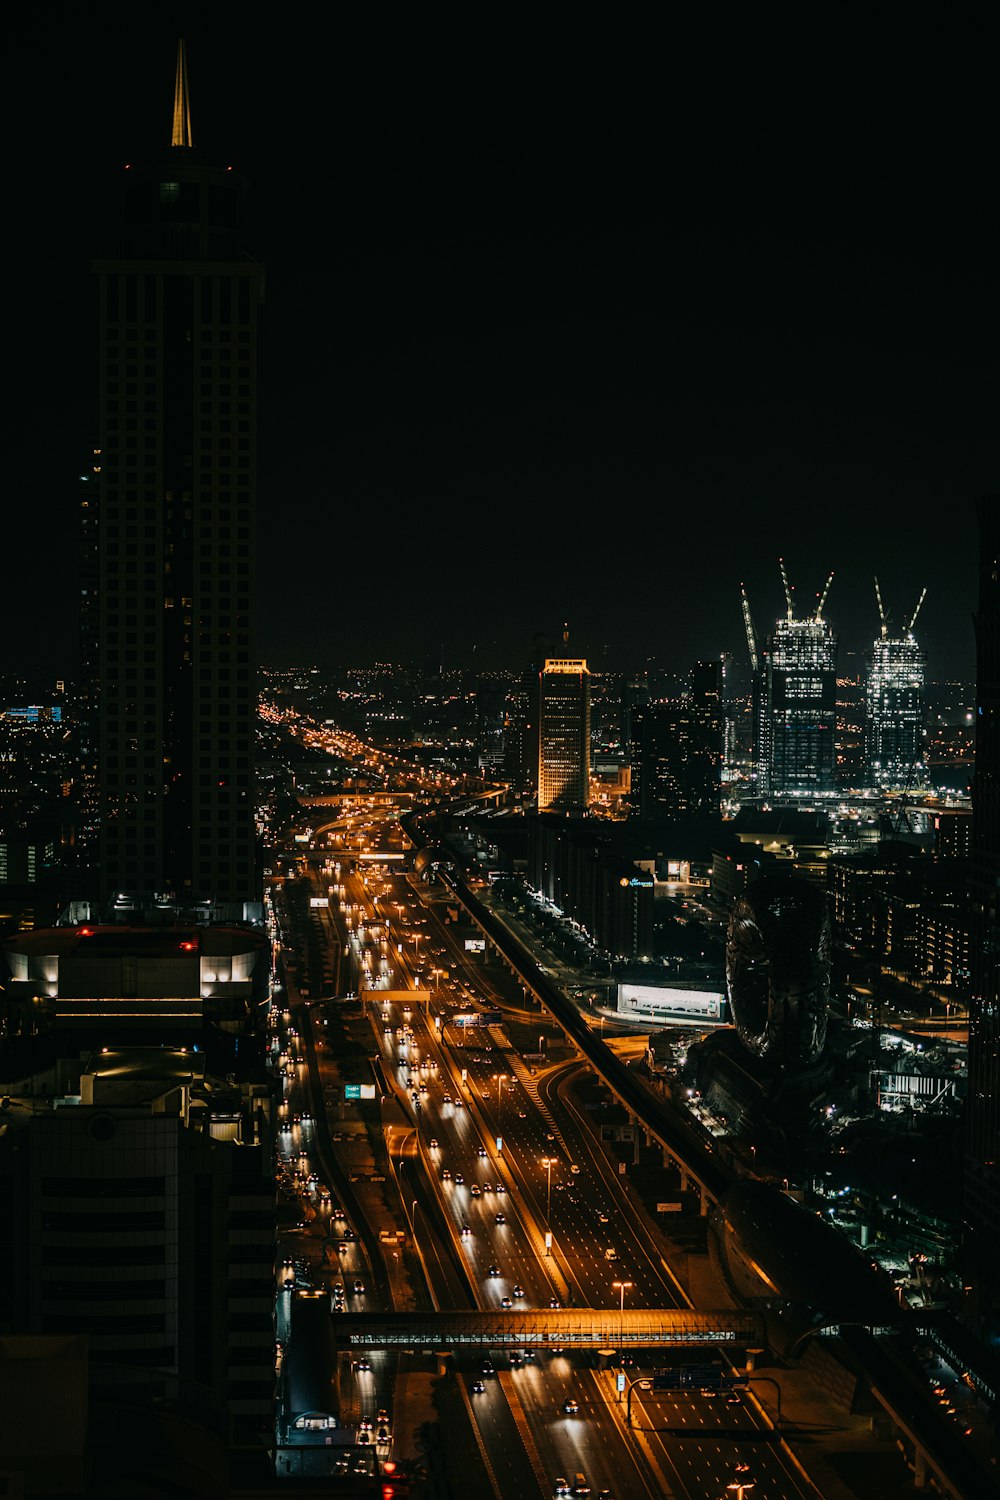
[180, 134]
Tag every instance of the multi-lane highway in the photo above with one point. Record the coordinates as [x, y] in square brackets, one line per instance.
[499, 1159]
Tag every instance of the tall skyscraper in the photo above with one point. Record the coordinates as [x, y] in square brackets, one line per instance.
[797, 715]
[172, 520]
[564, 735]
[982, 1160]
[894, 737]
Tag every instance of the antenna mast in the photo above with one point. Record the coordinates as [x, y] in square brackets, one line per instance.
[748, 625]
[788, 588]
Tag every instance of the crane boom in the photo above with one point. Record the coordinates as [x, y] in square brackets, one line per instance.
[788, 588]
[883, 622]
[913, 617]
[822, 597]
[748, 625]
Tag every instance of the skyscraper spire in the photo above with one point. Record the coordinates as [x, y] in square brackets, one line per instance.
[180, 134]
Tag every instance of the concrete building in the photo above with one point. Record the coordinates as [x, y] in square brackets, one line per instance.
[137, 1206]
[169, 536]
[982, 1158]
[677, 749]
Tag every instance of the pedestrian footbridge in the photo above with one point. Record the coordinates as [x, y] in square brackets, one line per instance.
[579, 1328]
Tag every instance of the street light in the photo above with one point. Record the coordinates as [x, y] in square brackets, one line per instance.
[621, 1286]
[740, 1488]
[548, 1162]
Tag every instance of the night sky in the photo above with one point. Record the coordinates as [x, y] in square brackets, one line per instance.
[569, 327]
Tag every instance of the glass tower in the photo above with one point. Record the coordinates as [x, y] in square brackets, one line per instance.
[798, 713]
[564, 735]
[895, 718]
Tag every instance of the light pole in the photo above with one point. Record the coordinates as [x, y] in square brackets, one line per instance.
[740, 1488]
[548, 1162]
[622, 1287]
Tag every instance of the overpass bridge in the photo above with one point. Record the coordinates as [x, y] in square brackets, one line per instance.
[660, 1124]
[578, 1328]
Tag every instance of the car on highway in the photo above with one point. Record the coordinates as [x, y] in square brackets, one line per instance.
[602, 1218]
[570, 1407]
[574, 1168]
[488, 1367]
[555, 1304]
[499, 1219]
[561, 1486]
[478, 1388]
[476, 1190]
[445, 1174]
[359, 1288]
[518, 1289]
[459, 1179]
[505, 1302]
[466, 1229]
[494, 1270]
[434, 1143]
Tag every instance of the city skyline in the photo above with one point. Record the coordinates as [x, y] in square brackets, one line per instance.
[668, 336]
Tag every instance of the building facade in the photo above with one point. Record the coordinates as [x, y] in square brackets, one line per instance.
[677, 749]
[170, 532]
[797, 722]
[564, 735]
[137, 1206]
[895, 731]
[982, 1149]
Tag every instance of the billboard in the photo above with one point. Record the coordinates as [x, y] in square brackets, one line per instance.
[475, 945]
[651, 1002]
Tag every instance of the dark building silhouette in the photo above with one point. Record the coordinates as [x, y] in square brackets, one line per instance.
[677, 749]
[982, 1160]
[169, 536]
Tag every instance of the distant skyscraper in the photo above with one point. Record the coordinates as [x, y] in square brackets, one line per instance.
[172, 518]
[564, 735]
[677, 749]
[895, 699]
[797, 714]
[982, 1162]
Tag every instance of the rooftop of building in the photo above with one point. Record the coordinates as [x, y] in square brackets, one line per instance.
[112, 940]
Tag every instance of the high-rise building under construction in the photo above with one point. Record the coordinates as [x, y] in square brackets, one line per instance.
[796, 697]
[894, 731]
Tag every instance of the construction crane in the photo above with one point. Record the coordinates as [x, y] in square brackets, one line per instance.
[913, 617]
[822, 598]
[788, 588]
[883, 618]
[748, 624]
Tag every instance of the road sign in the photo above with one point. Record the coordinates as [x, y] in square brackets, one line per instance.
[619, 1382]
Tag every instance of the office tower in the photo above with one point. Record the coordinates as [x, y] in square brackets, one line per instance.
[171, 504]
[982, 1158]
[895, 734]
[564, 735]
[797, 715]
[677, 749]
